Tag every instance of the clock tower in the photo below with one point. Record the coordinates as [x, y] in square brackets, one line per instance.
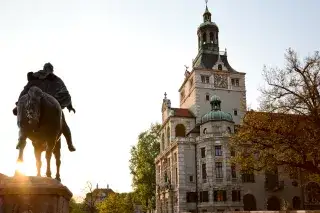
[212, 75]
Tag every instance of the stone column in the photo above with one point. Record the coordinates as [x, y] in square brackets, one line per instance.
[21, 194]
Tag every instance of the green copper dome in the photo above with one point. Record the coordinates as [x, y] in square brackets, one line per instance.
[216, 114]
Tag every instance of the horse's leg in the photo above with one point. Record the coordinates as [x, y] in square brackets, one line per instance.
[67, 134]
[37, 154]
[21, 145]
[49, 149]
[57, 155]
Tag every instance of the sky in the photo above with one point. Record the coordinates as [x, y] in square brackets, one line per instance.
[118, 57]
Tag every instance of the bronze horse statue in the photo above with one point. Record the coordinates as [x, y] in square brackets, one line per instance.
[40, 118]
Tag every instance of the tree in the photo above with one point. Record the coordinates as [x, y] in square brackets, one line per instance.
[117, 203]
[142, 165]
[91, 199]
[75, 207]
[286, 131]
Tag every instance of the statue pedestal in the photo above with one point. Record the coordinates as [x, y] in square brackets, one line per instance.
[26, 194]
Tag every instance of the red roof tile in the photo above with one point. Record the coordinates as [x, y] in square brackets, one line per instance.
[180, 112]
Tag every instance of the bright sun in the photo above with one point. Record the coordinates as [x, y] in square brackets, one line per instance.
[28, 166]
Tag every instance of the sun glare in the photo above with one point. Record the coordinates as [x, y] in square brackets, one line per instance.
[20, 168]
[28, 166]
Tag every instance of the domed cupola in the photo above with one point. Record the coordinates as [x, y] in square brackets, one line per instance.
[216, 114]
[208, 33]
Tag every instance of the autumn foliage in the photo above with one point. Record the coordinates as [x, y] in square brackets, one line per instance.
[286, 130]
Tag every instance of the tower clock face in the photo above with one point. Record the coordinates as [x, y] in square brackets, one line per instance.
[220, 81]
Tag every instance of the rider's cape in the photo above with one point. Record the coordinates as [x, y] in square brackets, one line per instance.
[48, 83]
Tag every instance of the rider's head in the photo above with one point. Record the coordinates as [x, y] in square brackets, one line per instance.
[48, 67]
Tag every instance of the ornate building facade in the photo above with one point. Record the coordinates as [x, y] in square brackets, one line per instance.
[193, 169]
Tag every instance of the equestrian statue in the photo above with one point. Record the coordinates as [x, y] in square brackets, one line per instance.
[40, 117]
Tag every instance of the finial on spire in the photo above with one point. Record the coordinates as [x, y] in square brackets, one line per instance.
[165, 95]
[207, 14]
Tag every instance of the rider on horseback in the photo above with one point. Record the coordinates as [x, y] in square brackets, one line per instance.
[48, 82]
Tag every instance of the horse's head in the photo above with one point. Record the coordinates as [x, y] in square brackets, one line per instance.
[33, 105]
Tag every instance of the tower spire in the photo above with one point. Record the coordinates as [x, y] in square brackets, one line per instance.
[207, 14]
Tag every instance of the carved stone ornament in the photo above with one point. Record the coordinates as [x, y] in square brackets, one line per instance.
[220, 81]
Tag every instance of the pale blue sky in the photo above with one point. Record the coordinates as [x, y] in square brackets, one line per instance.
[118, 57]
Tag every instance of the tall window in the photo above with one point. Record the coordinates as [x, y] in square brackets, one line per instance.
[203, 152]
[205, 79]
[204, 171]
[168, 136]
[247, 178]
[235, 112]
[236, 195]
[207, 97]
[204, 196]
[211, 37]
[235, 82]
[219, 195]
[162, 142]
[219, 172]
[204, 38]
[218, 150]
[233, 171]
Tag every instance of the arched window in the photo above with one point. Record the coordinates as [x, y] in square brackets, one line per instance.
[162, 142]
[180, 130]
[273, 204]
[249, 203]
[211, 37]
[219, 67]
[204, 38]
[168, 135]
[205, 131]
[296, 202]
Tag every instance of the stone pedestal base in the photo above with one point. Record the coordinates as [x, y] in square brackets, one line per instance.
[26, 194]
